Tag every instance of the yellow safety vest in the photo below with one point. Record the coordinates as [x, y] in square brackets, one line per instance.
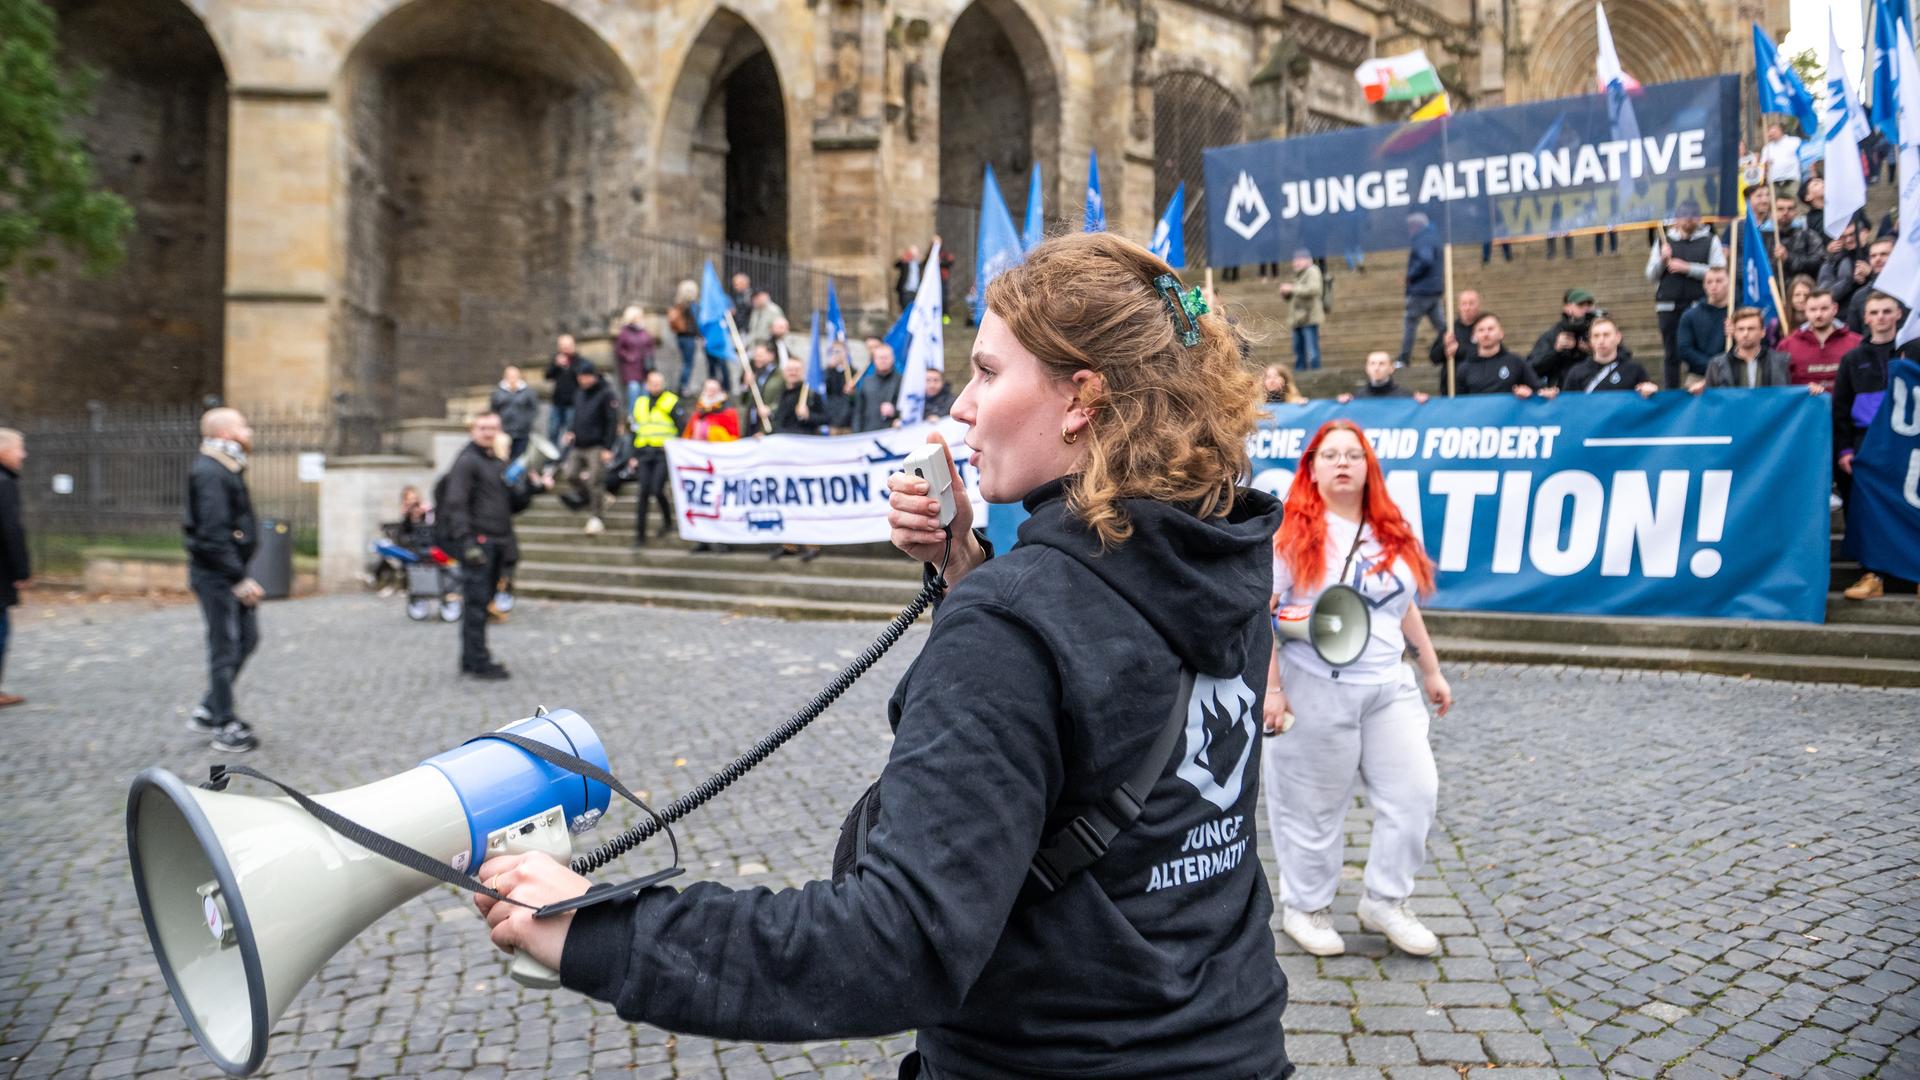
[653, 419]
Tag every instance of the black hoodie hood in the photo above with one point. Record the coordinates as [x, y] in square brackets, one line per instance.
[1196, 581]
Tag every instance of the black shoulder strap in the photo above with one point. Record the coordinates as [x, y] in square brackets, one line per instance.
[1082, 841]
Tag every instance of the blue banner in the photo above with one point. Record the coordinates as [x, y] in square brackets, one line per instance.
[1603, 504]
[1883, 514]
[1513, 173]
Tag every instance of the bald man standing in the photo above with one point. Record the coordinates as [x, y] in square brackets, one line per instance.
[220, 536]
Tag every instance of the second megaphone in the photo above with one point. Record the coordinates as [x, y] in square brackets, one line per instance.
[245, 897]
[1336, 625]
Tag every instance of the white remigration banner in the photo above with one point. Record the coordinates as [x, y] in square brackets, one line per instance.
[800, 489]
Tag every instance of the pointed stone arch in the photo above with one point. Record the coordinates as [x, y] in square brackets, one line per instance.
[725, 149]
[493, 163]
[998, 102]
[151, 330]
[1658, 41]
[1192, 110]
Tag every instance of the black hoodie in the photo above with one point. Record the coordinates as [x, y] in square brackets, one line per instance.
[1049, 673]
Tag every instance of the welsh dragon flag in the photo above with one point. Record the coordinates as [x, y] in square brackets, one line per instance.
[1406, 77]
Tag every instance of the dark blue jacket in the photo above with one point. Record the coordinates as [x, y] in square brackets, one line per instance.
[1425, 274]
[1702, 336]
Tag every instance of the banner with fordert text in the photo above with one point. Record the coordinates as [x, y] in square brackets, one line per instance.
[1511, 173]
[1604, 504]
[798, 489]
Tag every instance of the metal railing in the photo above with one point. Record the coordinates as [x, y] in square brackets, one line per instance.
[118, 472]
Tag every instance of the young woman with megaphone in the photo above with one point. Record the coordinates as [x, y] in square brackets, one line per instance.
[1363, 718]
[1057, 872]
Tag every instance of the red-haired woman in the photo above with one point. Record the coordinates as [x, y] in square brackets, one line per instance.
[1366, 720]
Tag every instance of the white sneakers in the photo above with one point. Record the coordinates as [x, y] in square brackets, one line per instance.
[595, 526]
[1398, 924]
[1312, 931]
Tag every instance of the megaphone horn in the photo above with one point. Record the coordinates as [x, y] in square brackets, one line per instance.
[246, 898]
[1337, 625]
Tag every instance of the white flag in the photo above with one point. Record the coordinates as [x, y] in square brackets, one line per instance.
[1845, 124]
[1614, 83]
[926, 347]
[1901, 277]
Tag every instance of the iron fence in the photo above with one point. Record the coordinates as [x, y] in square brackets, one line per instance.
[116, 472]
[654, 266]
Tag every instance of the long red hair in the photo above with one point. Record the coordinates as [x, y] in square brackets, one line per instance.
[1302, 539]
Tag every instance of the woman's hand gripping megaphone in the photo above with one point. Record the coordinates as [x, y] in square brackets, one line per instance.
[536, 879]
[914, 519]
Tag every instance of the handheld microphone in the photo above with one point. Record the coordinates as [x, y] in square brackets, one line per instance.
[929, 463]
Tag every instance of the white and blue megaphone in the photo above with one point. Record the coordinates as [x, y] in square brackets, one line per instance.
[246, 897]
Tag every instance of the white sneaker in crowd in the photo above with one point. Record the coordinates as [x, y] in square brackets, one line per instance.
[595, 526]
[1391, 917]
[1312, 931]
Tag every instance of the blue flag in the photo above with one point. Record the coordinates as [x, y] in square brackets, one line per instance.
[998, 246]
[816, 365]
[1781, 91]
[1096, 206]
[1170, 236]
[1883, 520]
[836, 325]
[897, 337]
[1756, 273]
[1884, 111]
[712, 315]
[1036, 226]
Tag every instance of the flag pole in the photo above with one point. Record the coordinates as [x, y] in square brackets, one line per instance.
[746, 373]
[1446, 262]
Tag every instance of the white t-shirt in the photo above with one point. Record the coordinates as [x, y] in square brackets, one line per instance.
[1390, 592]
[1783, 159]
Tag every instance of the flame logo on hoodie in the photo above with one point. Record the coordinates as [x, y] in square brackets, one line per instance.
[1219, 740]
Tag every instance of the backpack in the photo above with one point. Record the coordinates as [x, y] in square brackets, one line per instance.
[442, 521]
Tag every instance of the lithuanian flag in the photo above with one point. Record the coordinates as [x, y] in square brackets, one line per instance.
[1398, 78]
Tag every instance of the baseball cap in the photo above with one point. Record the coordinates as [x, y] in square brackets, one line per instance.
[1578, 296]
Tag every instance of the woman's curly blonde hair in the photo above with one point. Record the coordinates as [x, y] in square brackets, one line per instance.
[1171, 422]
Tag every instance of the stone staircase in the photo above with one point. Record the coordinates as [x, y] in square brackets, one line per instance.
[1873, 643]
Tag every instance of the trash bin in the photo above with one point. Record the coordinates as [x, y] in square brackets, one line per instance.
[272, 564]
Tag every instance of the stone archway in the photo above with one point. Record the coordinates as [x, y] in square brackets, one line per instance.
[493, 163]
[1191, 112]
[151, 331]
[1656, 39]
[999, 103]
[723, 177]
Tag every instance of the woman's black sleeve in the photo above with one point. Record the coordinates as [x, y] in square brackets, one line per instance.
[897, 943]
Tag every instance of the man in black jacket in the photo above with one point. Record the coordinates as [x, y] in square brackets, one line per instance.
[14, 571]
[1677, 265]
[1468, 303]
[596, 424]
[1611, 367]
[1490, 368]
[564, 373]
[477, 511]
[220, 536]
[1380, 382]
[1565, 342]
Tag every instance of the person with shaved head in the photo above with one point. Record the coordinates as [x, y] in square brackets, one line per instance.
[221, 534]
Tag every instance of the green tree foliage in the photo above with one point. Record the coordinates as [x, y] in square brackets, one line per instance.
[47, 191]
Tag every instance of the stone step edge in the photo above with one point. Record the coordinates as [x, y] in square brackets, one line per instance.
[1781, 667]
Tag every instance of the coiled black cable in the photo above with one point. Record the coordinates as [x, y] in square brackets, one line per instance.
[713, 785]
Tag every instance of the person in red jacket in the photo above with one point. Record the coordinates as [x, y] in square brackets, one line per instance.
[1814, 350]
[712, 420]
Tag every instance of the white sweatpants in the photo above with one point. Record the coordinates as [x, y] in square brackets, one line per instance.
[1343, 732]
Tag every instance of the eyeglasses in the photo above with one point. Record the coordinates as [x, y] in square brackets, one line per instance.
[1334, 457]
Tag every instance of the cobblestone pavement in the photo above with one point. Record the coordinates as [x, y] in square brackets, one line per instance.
[1635, 874]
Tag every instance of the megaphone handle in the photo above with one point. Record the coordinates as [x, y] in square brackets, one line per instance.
[533, 974]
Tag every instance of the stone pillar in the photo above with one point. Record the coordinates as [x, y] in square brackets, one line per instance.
[356, 496]
[848, 163]
[279, 249]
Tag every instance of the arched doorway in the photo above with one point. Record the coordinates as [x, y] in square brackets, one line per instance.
[723, 178]
[492, 172]
[999, 104]
[1191, 113]
[1656, 39]
[150, 332]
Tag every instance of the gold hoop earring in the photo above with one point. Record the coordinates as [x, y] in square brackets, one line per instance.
[1068, 437]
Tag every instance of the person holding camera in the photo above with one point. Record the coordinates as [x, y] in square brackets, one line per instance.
[1565, 342]
[476, 516]
[221, 535]
[1007, 892]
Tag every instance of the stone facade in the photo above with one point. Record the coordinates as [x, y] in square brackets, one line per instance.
[362, 204]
